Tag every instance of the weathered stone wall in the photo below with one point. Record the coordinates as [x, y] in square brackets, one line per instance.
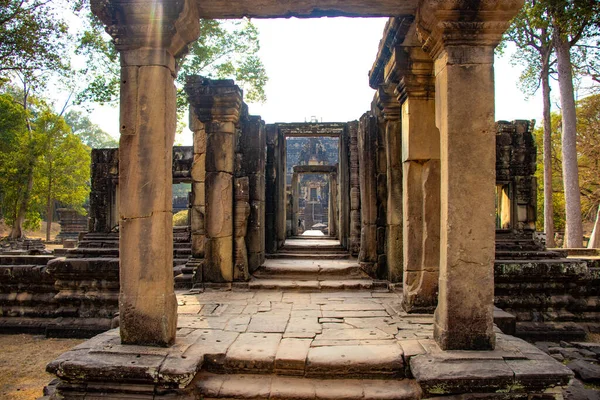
[58, 297]
[549, 297]
[515, 168]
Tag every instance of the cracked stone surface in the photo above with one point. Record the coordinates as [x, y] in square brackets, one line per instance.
[343, 335]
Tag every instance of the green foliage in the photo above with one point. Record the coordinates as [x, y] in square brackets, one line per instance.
[32, 37]
[41, 142]
[89, 133]
[180, 218]
[531, 32]
[63, 169]
[224, 50]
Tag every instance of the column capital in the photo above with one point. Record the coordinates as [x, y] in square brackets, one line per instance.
[443, 23]
[214, 100]
[388, 102]
[149, 32]
[415, 70]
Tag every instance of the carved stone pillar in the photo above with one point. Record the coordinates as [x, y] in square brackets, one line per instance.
[421, 166]
[198, 206]
[333, 205]
[354, 190]
[253, 145]
[218, 103]
[295, 206]
[367, 151]
[149, 48]
[390, 107]
[460, 37]
[271, 201]
[240, 228]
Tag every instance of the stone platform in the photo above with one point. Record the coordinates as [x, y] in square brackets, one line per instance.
[291, 345]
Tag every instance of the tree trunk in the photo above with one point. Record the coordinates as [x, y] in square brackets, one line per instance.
[16, 231]
[548, 205]
[49, 212]
[574, 227]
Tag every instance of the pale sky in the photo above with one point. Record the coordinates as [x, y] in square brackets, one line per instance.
[319, 67]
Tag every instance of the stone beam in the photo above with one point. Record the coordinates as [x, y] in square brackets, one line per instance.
[461, 37]
[220, 9]
[315, 169]
[311, 129]
[150, 36]
[218, 105]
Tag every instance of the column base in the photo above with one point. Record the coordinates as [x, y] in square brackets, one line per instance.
[463, 339]
[157, 327]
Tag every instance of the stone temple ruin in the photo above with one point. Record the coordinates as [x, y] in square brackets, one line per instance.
[406, 298]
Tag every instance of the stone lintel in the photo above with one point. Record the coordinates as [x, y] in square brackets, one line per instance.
[315, 169]
[311, 129]
[214, 99]
[446, 23]
[393, 34]
[224, 9]
[150, 32]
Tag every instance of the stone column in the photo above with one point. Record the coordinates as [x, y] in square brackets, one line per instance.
[271, 190]
[367, 150]
[344, 188]
[295, 194]
[390, 108]
[218, 104]
[240, 228]
[333, 205]
[281, 216]
[421, 165]
[460, 37]
[148, 47]
[253, 145]
[198, 206]
[354, 189]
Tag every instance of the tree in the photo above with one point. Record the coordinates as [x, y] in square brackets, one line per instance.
[89, 133]
[36, 160]
[63, 171]
[531, 32]
[588, 145]
[31, 37]
[225, 49]
[572, 21]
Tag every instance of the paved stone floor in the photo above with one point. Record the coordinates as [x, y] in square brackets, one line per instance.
[318, 335]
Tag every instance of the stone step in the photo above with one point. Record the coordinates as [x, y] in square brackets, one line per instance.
[25, 259]
[219, 386]
[325, 256]
[529, 255]
[316, 285]
[309, 271]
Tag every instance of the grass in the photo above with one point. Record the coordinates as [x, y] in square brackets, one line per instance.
[23, 360]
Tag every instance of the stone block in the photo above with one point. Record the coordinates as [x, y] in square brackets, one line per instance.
[218, 266]
[291, 356]
[360, 360]
[199, 168]
[219, 204]
[220, 152]
[253, 352]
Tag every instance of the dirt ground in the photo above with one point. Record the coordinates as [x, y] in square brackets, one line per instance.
[23, 360]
